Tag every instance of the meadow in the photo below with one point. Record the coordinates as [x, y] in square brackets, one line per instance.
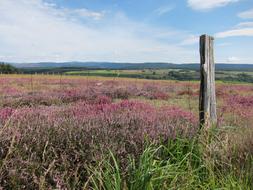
[165, 74]
[86, 132]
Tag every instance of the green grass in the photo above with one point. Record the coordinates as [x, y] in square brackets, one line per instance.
[168, 74]
[178, 164]
[119, 73]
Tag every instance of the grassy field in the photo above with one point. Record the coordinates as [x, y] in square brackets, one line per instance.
[166, 74]
[146, 74]
[112, 133]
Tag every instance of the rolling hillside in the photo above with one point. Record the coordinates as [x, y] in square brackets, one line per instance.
[113, 65]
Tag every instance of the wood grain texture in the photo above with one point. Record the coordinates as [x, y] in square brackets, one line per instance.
[207, 97]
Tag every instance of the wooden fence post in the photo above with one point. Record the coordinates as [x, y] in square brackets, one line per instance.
[207, 97]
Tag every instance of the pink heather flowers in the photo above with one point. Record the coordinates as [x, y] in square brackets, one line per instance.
[5, 114]
[52, 128]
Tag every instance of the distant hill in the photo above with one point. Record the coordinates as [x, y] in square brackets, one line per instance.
[112, 65]
[96, 65]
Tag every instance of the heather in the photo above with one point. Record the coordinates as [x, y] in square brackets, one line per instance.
[95, 133]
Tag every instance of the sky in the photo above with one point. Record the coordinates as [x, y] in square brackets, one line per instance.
[124, 30]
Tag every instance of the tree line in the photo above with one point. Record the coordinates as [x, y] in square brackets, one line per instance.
[8, 69]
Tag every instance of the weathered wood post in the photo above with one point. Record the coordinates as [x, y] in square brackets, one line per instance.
[207, 97]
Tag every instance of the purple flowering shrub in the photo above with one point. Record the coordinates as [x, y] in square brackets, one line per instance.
[68, 138]
[53, 128]
[46, 91]
[5, 114]
[239, 108]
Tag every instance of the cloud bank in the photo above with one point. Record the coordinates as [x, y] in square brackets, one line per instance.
[32, 30]
[246, 14]
[208, 4]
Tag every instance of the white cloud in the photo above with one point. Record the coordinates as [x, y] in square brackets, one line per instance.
[208, 4]
[77, 13]
[246, 14]
[238, 60]
[234, 59]
[244, 24]
[235, 32]
[234, 52]
[242, 29]
[164, 10]
[87, 13]
[31, 30]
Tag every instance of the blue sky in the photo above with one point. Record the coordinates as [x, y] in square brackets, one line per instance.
[124, 30]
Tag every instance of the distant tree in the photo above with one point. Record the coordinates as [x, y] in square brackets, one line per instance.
[7, 69]
[177, 75]
[243, 77]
